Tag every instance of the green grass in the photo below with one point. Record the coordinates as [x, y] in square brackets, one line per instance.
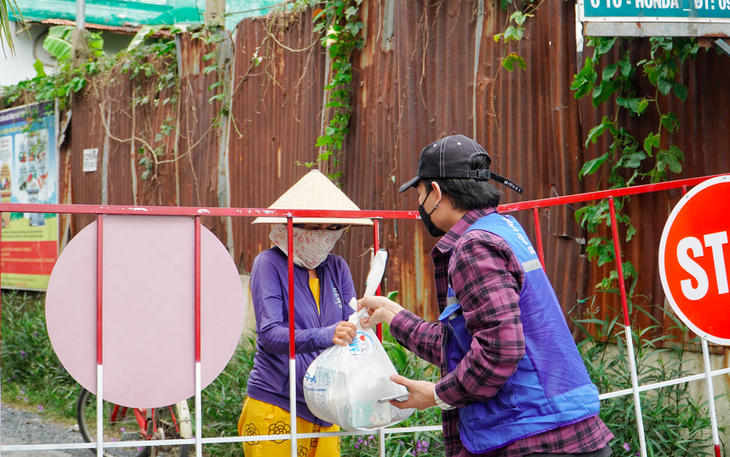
[676, 423]
[32, 376]
[223, 399]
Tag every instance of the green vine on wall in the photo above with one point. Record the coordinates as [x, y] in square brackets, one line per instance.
[628, 160]
[94, 72]
[515, 33]
[339, 18]
[340, 26]
[219, 88]
[150, 61]
[165, 81]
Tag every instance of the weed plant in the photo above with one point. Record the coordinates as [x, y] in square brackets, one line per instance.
[676, 424]
[222, 400]
[32, 375]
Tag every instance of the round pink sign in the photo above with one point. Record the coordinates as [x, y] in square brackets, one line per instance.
[148, 309]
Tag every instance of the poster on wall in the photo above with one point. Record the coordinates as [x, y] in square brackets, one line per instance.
[28, 174]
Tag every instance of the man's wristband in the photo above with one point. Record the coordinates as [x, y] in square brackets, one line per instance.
[440, 403]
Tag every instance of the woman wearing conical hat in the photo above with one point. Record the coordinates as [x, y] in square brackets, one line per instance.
[323, 287]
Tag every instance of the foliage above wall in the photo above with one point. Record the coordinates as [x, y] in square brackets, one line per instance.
[150, 63]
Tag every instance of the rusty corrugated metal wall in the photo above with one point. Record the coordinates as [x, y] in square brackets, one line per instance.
[275, 118]
[122, 117]
[414, 82]
[428, 69]
[429, 76]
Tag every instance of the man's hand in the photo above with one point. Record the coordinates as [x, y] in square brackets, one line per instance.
[380, 309]
[344, 333]
[421, 393]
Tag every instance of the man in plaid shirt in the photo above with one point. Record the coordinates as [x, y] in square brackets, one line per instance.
[513, 382]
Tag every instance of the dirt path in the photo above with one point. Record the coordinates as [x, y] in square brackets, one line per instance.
[18, 427]
[21, 427]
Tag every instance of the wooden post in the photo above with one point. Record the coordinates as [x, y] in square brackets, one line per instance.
[215, 13]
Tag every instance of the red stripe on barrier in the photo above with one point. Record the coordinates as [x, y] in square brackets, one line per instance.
[619, 263]
[600, 195]
[538, 237]
[265, 212]
[1, 270]
[197, 290]
[200, 211]
[376, 248]
[99, 289]
[290, 261]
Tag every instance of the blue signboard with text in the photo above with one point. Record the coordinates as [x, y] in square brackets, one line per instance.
[706, 11]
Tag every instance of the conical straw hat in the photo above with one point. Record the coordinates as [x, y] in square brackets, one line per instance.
[314, 191]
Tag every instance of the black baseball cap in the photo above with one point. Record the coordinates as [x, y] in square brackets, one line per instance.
[450, 158]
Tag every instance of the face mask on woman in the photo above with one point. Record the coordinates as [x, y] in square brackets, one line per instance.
[310, 246]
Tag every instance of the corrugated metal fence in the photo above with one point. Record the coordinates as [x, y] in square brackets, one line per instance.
[428, 69]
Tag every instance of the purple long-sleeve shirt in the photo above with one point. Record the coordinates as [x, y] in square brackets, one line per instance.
[487, 278]
[313, 328]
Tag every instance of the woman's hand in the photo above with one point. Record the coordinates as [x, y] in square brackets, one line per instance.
[380, 309]
[344, 333]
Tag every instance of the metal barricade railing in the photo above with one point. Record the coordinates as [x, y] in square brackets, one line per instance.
[196, 213]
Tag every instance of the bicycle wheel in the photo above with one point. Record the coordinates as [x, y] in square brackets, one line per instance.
[128, 424]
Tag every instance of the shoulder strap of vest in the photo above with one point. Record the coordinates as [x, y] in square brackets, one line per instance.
[507, 228]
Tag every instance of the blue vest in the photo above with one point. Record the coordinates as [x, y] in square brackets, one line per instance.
[551, 387]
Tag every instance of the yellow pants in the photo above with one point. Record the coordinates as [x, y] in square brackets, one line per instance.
[259, 418]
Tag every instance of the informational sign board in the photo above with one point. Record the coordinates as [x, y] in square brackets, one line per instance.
[28, 174]
[694, 260]
[657, 10]
[655, 17]
[91, 158]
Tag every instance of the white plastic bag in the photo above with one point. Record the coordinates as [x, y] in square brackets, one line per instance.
[343, 385]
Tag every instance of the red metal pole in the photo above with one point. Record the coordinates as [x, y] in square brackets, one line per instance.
[197, 290]
[99, 333]
[619, 264]
[292, 336]
[601, 194]
[221, 212]
[290, 261]
[99, 287]
[1, 274]
[376, 248]
[538, 237]
[198, 339]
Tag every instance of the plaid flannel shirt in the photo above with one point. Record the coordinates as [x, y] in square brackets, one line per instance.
[487, 278]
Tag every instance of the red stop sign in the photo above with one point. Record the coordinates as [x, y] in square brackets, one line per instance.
[694, 259]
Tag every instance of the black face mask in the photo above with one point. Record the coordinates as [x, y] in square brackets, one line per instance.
[426, 218]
